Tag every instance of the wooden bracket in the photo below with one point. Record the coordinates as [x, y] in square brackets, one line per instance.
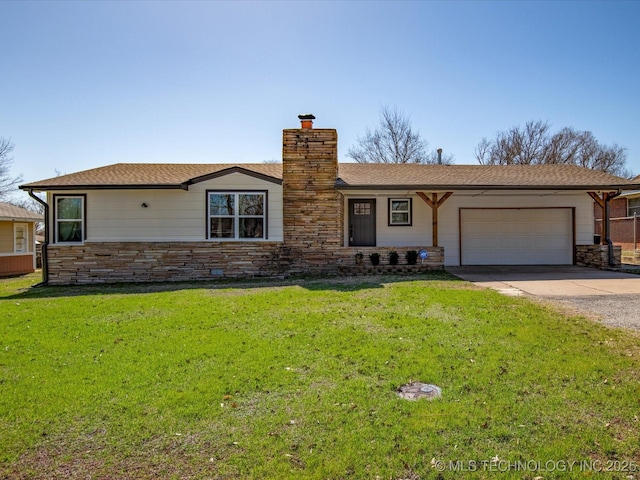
[605, 197]
[434, 200]
[602, 201]
[434, 203]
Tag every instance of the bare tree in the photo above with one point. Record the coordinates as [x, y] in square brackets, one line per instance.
[32, 205]
[7, 182]
[534, 144]
[29, 203]
[436, 157]
[393, 141]
[515, 146]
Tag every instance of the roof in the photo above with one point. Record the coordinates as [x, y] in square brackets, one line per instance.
[350, 176]
[11, 213]
[153, 175]
[631, 194]
[477, 177]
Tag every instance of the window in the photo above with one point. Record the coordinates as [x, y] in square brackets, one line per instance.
[634, 206]
[362, 208]
[69, 219]
[399, 211]
[21, 238]
[237, 215]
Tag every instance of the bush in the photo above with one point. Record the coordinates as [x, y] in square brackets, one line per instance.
[412, 257]
[375, 258]
[393, 257]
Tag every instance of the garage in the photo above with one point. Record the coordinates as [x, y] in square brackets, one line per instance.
[516, 236]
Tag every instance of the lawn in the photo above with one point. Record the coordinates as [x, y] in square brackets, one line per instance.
[298, 380]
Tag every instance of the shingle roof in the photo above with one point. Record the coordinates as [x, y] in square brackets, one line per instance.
[11, 212]
[386, 176]
[350, 176]
[151, 175]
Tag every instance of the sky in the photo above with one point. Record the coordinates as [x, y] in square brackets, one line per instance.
[87, 84]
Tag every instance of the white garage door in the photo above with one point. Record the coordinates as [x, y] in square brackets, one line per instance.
[516, 236]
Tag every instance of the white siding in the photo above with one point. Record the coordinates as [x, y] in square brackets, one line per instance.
[171, 215]
[449, 215]
[449, 226]
[419, 233]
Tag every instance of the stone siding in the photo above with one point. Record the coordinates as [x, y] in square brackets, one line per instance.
[346, 262]
[111, 262]
[312, 207]
[597, 256]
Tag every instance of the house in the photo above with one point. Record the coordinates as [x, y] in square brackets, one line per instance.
[312, 215]
[17, 240]
[624, 212]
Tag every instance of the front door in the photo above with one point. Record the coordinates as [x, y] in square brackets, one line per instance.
[362, 222]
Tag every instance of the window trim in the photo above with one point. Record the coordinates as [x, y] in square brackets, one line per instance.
[409, 211]
[236, 217]
[17, 225]
[83, 220]
[630, 209]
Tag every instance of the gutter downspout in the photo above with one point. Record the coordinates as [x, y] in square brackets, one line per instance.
[606, 219]
[45, 256]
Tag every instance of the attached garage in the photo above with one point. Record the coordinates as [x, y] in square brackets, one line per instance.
[516, 236]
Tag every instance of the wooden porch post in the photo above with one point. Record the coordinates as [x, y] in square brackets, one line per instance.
[602, 201]
[434, 203]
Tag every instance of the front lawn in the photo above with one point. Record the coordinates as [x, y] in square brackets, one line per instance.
[297, 380]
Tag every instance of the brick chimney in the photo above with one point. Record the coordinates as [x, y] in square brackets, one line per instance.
[312, 210]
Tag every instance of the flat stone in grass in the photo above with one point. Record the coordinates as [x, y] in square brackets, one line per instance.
[418, 390]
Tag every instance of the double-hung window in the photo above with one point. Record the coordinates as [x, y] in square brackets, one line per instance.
[237, 215]
[69, 218]
[399, 211]
[634, 206]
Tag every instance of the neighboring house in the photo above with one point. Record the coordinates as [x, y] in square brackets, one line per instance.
[39, 242]
[17, 240]
[624, 213]
[154, 222]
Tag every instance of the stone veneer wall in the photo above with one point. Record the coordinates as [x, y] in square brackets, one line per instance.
[312, 211]
[346, 260]
[111, 262]
[597, 256]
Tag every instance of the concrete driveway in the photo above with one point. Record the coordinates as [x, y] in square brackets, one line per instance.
[612, 297]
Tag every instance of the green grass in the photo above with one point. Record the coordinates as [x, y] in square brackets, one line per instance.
[297, 380]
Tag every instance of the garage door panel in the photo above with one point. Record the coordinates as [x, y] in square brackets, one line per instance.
[516, 236]
[556, 243]
[554, 230]
[521, 242]
[511, 216]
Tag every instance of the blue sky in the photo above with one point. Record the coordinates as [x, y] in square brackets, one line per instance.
[85, 84]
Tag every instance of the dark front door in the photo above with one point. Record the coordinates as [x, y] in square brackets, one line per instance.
[362, 222]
